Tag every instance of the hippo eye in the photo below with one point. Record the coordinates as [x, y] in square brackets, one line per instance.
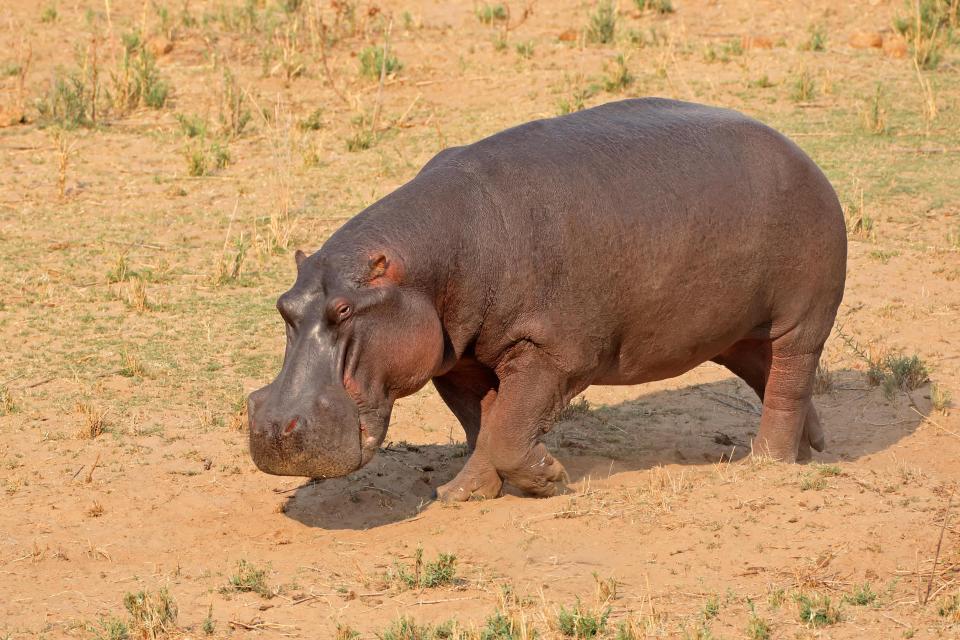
[339, 311]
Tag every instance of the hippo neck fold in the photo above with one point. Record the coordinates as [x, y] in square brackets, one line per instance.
[423, 224]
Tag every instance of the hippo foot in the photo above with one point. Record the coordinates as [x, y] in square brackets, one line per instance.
[471, 484]
[542, 475]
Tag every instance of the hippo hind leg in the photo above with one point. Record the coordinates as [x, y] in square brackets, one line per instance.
[751, 360]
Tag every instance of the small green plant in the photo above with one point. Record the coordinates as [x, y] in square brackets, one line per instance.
[953, 238]
[248, 578]
[230, 264]
[372, 61]
[421, 575]
[209, 626]
[49, 14]
[618, 76]
[757, 627]
[345, 632]
[70, 103]
[939, 398]
[711, 609]
[804, 87]
[120, 272]
[234, 116]
[580, 622]
[817, 40]
[205, 157]
[950, 608]
[152, 614]
[906, 372]
[499, 627]
[817, 610]
[827, 470]
[490, 13]
[8, 405]
[131, 366]
[111, 629]
[360, 140]
[192, 126]
[603, 23]
[441, 571]
[657, 6]
[874, 114]
[776, 599]
[863, 595]
[525, 49]
[763, 82]
[406, 628]
[313, 122]
[929, 27]
[137, 82]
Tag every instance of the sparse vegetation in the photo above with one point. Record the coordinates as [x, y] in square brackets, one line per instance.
[8, 405]
[372, 61]
[582, 622]
[93, 420]
[940, 398]
[817, 610]
[928, 27]
[757, 627]
[603, 23]
[248, 577]
[152, 614]
[804, 87]
[426, 575]
[863, 595]
[491, 13]
[874, 114]
[891, 371]
[818, 38]
[657, 6]
[618, 75]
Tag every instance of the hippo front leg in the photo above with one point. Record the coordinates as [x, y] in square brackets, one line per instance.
[508, 446]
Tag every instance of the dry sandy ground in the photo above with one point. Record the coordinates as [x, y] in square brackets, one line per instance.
[166, 496]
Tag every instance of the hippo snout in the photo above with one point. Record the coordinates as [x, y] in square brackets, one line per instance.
[317, 437]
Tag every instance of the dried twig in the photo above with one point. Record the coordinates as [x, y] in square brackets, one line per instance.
[936, 557]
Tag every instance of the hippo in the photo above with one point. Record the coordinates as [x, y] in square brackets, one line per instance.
[617, 245]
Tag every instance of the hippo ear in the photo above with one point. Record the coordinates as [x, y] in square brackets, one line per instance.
[383, 267]
[299, 257]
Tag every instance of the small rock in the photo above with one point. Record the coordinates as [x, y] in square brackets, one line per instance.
[895, 47]
[570, 35]
[159, 46]
[866, 40]
[756, 42]
[11, 116]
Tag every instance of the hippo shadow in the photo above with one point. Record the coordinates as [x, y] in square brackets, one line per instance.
[692, 425]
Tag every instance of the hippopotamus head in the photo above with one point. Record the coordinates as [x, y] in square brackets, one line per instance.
[357, 339]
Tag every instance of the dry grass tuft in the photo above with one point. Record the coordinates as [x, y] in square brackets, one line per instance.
[93, 420]
[152, 615]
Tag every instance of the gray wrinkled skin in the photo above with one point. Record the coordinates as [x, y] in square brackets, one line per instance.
[618, 245]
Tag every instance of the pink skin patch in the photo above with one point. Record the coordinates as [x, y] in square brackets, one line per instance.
[290, 427]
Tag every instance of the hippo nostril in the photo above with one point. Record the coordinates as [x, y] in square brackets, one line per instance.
[291, 426]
